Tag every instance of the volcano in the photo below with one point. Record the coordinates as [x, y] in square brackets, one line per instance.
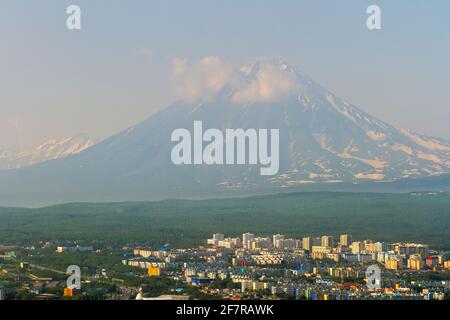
[324, 141]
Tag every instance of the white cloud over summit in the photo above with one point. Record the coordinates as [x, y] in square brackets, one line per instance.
[270, 84]
[203, 79]
[206, 78]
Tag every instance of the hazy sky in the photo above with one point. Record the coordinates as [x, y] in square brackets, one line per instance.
[116, 71]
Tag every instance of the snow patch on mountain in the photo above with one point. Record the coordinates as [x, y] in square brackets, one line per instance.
[49, 150]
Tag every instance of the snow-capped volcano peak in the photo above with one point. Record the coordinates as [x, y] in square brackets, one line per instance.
[254, 67]
[326, 138]
[273, 80]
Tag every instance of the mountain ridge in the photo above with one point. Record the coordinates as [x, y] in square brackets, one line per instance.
[48, 150]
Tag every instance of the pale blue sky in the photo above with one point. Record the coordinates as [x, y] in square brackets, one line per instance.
[115, 71]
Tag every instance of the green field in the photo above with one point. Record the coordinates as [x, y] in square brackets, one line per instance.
[388, 217]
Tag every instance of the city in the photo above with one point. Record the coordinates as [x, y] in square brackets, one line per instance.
[232, 268]
[224, 159]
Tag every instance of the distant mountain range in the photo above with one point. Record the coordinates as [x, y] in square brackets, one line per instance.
[325, 143]
[49, 150]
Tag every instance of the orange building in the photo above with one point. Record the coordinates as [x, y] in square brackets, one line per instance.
[393, 264]
[68, 292]
[154, 271]
[415, 262]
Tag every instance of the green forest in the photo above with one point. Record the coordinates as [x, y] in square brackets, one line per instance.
[389, 217]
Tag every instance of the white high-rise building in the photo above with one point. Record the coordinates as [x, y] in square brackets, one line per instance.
[345, 240]
[357, 247]
[218, 236]
[327, 241]
[277, 241]
[247, 239]
[307, 243]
